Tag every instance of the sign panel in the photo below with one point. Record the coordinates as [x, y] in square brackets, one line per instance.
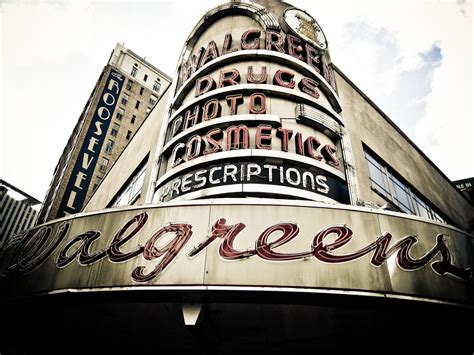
[244, 245]
[81, 175]
[313, 180]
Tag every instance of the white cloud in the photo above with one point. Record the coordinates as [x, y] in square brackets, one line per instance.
[439, 119]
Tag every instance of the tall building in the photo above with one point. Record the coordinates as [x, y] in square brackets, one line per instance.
[266, 205]
[18, 211]
[127, 90]
[466, 186]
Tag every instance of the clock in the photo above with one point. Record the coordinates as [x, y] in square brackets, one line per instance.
[303, 25]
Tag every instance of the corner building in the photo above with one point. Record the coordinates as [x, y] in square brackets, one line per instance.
[278, 210]
[18, 211]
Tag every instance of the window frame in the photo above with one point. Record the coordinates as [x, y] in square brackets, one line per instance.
[120, 113]
[109, 147]
[125, 99]
[152, 101]
[131, 190]
[97, 182]
[393, 181]
[157, 86]
[115, 129]
[104, 170]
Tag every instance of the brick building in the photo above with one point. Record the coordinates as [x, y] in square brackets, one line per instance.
[127, 90]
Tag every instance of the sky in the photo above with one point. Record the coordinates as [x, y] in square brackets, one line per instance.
[413, 59]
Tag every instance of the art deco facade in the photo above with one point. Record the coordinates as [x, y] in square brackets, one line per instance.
[18, 211]
[265, 205]
[126, 91]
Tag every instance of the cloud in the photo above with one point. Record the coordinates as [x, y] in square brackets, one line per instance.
[407, 104]
[423, 80]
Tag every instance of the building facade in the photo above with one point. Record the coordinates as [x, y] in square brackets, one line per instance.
[18, 211]
[265, 205]
[466, 186]
[125, 93]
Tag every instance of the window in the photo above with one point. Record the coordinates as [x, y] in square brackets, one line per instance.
[386, 182]
[103, 165]
[141, 90]
[378, 176]
[153, 100]
[145, 77]
[422, 208]
[120, 113]
[137, 105]
[402, 195]
[124, 99]
[115, 129]
[129, 134]
[147, 111]
[129, 85]
[133, 119]
[97, 182]
[134, 70]
[157, 85]
[110, 146]
[131, 190]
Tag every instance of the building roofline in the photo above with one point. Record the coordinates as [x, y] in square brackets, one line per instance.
[384, 115]
[16, 189]
[132, 53]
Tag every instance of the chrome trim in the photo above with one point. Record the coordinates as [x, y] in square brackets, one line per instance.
[317, 119]
[349, 167]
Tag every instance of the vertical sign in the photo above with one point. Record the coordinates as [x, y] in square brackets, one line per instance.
[81, 174]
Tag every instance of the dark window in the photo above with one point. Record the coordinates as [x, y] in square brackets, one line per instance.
[153, 100]
[137, 104]
[129, 85]
[141, 90]
[97, 182]
[120, 113]
[133, 119]
[115, 129]
[103, 165]
[145, 77]
[129, 134]
[124, 99]
[387, 183]
[157, 85]
[110, 146]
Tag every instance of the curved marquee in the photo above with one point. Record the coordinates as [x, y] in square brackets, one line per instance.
[255, 112]
[245, 245]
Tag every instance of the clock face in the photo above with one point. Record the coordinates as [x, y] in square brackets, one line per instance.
[306, 27]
